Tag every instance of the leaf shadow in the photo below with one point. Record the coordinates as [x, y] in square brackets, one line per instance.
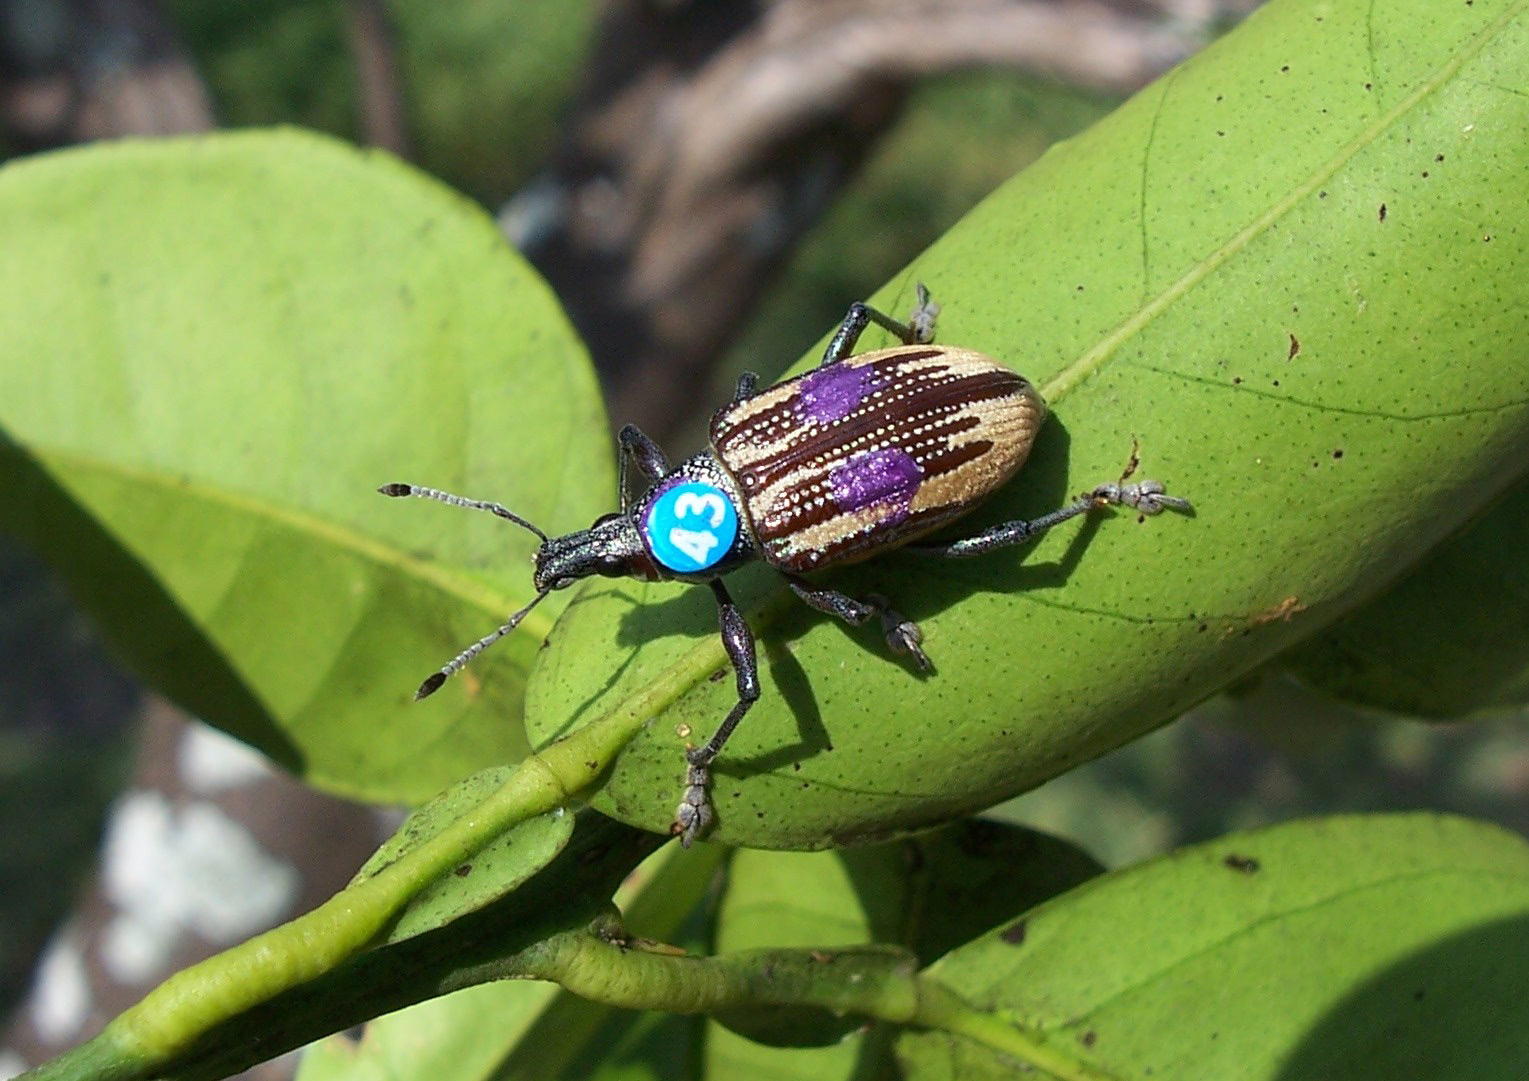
[142, 621]
[1451, 1009]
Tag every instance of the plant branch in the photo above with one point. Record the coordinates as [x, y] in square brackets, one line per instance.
[169, 1022]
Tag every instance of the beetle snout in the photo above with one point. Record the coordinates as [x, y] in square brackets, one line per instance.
[545, 576]
[609, 548]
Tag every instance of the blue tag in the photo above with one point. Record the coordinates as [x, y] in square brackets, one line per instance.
[690, 527]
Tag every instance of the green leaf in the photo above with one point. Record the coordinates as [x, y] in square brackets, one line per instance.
[216, 350]
[1257, 267]
[458, 1037]
[1449, 640]
[493, 871]
[1362, 947]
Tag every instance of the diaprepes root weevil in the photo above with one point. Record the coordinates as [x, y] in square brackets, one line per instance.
[864, 454]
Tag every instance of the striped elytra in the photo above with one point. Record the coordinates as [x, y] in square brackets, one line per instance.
[874, 450]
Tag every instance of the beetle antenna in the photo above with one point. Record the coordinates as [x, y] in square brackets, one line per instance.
[459, 501]
[457, 663]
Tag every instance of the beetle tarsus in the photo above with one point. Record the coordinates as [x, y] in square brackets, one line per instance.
[925, 312]
[902, 634]
[1147, 496]
[694, 816]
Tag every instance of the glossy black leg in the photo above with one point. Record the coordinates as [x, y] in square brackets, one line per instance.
[1144, 496]
[694, 815]
[902, 634]
[649, 457]
[918, 330]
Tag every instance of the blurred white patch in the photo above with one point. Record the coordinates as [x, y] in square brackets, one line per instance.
[11, 1064]
[60, 1000]
[211, 761]
[171, 871]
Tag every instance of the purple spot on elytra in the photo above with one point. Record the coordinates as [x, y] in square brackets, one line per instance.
[833, 392]
[874, 477]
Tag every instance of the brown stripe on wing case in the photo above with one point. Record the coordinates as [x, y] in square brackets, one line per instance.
[778, 419]
[774, 412]
[1012, 431]
[839, 541]
[801, 497]
[759, 461]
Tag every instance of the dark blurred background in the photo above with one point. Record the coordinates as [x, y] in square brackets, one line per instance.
[706, 186]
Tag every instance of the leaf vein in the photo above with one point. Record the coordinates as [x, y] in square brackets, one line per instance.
[1346, 410]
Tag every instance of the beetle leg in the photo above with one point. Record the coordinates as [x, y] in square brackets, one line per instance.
[918, 330]
[694, 814]
[902, 634]
[748, 386]
[1145, 496]
[651, 460]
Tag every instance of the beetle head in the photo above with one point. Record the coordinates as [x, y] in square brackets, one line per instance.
[610, 548]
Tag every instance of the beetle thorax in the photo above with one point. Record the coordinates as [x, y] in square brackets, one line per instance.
[693, 522]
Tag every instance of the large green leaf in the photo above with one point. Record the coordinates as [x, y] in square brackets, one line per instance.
[457, 1037]
[1294, 268]
[216, 349]
[1355, 948]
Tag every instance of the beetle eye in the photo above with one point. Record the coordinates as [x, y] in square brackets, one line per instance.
[612, 566]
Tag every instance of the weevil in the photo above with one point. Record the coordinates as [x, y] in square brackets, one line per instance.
[866, 453]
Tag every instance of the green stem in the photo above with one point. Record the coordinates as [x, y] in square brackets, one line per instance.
[875, 982]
